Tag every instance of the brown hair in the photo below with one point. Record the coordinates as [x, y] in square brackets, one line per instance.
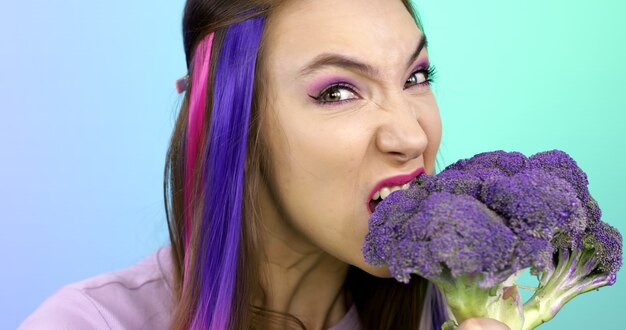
[403, 303]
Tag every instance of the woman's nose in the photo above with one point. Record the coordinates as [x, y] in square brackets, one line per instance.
[400, 134]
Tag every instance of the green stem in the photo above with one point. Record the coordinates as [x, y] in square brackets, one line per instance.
[467, 300]
[537, 309]
[571, 278]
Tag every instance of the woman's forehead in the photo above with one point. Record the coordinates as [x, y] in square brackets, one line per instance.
[382, 31]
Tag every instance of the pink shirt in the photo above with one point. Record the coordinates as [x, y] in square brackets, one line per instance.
[138, 297]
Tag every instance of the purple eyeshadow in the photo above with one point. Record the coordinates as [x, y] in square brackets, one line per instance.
[423, 64]
[320, 84]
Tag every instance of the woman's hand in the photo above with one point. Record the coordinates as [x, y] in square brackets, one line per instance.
[482, 323]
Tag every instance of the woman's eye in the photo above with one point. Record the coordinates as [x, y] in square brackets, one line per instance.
[414, 79]
[421, 77]
[335, 94]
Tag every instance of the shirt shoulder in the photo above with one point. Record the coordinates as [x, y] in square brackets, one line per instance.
[350, 321]
[137, 297]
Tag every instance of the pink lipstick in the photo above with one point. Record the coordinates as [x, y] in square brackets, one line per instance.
[398, 180]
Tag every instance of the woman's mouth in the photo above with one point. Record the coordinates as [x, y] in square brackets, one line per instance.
[386, 186]
[384, 193]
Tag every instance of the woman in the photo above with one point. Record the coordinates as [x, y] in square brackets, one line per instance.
[296, 114]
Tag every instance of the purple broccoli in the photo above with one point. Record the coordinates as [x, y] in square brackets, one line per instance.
[585, 262]
[473, 228]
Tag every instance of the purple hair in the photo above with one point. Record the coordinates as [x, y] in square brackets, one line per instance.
[438, 307]
[222, 176]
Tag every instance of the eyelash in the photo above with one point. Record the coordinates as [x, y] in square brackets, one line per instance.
[429, 72]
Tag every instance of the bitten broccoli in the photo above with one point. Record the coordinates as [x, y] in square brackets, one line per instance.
[472, 228]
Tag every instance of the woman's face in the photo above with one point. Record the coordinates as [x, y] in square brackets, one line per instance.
[348, 106]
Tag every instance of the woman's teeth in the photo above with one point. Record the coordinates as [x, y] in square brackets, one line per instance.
[384, 192]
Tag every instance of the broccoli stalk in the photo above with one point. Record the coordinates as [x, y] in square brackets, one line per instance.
[467, 299]
[590, 263]
[481, 221]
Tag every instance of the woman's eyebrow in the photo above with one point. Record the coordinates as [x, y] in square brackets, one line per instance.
[332, 59]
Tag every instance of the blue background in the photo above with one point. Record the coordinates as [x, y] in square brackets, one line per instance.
[88, 104]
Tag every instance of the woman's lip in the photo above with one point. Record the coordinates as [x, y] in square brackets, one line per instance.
[393, 181]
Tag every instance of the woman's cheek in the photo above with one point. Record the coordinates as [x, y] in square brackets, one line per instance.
[431, 124]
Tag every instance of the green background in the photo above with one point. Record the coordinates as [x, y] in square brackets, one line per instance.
[531, 76]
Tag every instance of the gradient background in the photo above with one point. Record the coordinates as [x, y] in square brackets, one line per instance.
[88, 103]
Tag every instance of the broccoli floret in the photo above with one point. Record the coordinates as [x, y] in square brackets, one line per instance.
[591, 261]
[457, 182]
[459, 244]
[506, 163]
[535, 203]
[483, 220]
[463, 234]
[560, 164]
